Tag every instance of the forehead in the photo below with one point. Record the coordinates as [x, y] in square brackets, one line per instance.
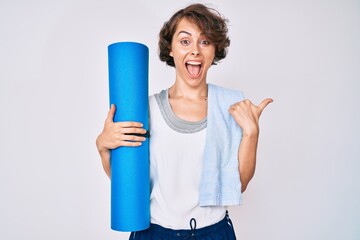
[187, 25]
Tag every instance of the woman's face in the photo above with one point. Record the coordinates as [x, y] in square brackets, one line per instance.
[192, 52]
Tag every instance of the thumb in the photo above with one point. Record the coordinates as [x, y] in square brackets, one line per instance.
[264, 103]
[110, 116]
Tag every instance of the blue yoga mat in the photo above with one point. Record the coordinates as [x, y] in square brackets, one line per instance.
[130, 180]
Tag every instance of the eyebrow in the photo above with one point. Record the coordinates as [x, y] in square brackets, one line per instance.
[184, 32]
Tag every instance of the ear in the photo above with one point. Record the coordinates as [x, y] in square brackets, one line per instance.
[171, 54]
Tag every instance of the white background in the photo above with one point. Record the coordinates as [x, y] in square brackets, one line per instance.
[304, 54]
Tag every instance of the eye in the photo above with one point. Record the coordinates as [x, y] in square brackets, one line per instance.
[205, 42]
[185, 42]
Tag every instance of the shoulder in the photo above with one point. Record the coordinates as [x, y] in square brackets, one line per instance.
[226, 94]
[158, 99]
[152, 99]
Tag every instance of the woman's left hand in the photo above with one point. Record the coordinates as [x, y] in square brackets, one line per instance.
[247, 115]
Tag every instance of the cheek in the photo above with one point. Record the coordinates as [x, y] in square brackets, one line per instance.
[178, 54]
[210, 58]
[210, 54]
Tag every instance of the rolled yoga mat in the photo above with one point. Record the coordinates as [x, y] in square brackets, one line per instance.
[130, 180]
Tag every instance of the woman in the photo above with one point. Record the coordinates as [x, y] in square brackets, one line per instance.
[189, 195]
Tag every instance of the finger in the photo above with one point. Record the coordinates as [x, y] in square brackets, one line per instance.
[130, 131]
[130, 144]
[243, 103]
[110, 116]
[264, 103]
[133, 138]
[129, 124]
[232, 110]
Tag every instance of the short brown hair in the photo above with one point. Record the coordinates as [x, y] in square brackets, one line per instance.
[211, 23]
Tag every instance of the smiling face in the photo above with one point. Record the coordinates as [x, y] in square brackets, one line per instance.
[192, 52]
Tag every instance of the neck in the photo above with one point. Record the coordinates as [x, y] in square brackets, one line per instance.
[188, 92]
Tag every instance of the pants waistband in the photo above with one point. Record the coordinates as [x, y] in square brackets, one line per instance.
[193, 232]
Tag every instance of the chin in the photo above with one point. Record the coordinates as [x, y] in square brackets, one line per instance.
[195, 82]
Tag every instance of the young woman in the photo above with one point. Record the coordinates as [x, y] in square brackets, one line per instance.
[203, 137]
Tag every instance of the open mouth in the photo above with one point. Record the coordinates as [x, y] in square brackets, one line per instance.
[193, 68]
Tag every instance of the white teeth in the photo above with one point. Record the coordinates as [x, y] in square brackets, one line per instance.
[194, 63]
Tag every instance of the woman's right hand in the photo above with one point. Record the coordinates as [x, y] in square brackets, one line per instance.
[117, 134]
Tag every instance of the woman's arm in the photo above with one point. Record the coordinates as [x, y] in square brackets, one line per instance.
[247, 115]
[117, 134]
[247, 159]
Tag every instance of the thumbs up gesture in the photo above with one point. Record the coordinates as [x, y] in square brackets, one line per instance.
[247, 115]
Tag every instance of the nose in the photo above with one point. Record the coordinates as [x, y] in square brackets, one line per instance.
[195, 51]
